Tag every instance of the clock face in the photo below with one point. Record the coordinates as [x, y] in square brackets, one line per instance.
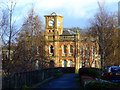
[58, 22]
[51, 23]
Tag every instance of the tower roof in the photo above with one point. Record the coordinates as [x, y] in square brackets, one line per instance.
[53, 14]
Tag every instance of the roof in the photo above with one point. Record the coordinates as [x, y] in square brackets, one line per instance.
[54, 14]
[68, 32]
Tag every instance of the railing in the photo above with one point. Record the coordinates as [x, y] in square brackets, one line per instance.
[29, 78]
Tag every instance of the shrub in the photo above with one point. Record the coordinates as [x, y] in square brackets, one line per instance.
[56, 73]
[94, 72]
[68, 69]
[25, 87]
[100, 85]
[76, 71]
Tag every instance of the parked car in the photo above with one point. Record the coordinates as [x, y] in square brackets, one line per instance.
[107, 67]
[114, 73]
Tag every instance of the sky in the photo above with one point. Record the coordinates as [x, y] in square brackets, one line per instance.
[76, 12]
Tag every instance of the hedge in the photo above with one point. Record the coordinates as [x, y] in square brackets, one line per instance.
[93, 72]
[100, 85]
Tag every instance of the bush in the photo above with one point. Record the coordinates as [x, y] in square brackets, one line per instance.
[25, 87]
[68, 69]
[93, 72]
[100, 85]
[76, 71]
[56, 73]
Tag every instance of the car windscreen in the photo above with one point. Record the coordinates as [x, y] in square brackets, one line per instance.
[115, 69]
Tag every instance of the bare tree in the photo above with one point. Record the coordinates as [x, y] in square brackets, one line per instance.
[8, 26]
[8, 29]
[28, 42]
[104, 26]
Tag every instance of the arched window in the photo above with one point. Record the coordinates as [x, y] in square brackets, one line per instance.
[71, 63]
[37, 64]
[64, 63]
[65, 47]
[51, 49]
[71, 49]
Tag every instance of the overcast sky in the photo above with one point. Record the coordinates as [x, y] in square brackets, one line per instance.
[76, 12]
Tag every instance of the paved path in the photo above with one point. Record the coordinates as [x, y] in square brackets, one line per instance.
[65, 81]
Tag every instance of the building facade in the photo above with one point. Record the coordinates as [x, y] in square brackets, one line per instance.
[68, 48]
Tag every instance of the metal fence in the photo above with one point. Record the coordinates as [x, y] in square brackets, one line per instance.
[29, 78]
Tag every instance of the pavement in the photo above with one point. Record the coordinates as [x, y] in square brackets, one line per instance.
[65, 81]
[85, 78]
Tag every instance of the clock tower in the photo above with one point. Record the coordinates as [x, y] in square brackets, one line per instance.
[54, 24]
[53, 30]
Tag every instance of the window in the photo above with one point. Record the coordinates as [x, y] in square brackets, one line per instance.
[64, 63]
[81, 50]
[95, 50]
[71, 49]
[53, 37]
[37, 64]
[65, 47]
[38, 50]
[51, 49]
[83, 64]
[71, 63]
